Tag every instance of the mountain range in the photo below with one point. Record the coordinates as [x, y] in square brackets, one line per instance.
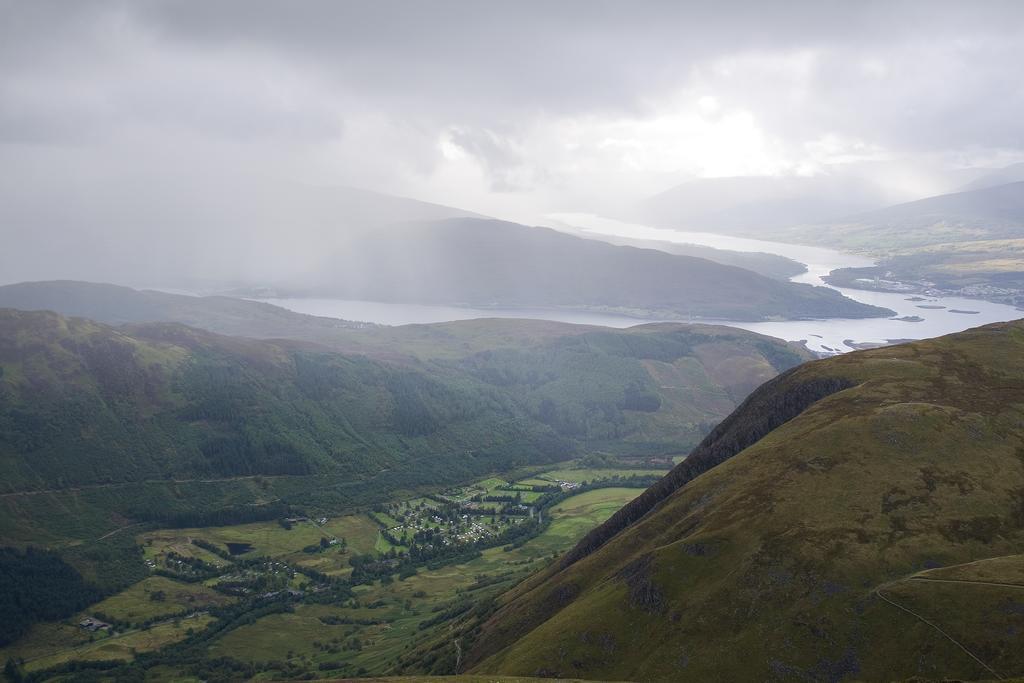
[772, 207]
[254, 236]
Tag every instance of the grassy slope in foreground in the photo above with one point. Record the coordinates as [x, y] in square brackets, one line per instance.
[801, 556]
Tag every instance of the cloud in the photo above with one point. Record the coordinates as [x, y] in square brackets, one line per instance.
[511, 109]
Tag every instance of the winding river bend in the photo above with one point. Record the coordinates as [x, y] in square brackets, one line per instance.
[937, 316]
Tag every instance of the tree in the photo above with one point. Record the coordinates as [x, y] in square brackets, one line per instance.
[13, 672]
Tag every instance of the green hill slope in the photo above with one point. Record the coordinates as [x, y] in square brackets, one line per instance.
[100, 426]
[858, 518]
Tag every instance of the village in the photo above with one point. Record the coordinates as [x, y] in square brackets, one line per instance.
[463, 515]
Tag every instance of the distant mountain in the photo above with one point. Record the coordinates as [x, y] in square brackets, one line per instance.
[990, 213]
[765, 206]
[1014, 173]
[485, 263]
[857, 518]
[182, 234]
[752, 204]
[769, 265]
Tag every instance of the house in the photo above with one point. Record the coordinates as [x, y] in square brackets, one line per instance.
[92, 624]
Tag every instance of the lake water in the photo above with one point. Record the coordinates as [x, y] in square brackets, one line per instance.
[825, 335]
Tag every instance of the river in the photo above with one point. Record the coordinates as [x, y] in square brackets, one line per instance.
[827, 335]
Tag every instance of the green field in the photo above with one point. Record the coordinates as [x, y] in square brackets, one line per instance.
[470, 679]
[137, 604]
[489, 483]
[576, 516]
[535, 481]
[266, 538]
[407, 603]
[387, 520]
[47, 644]
[585, 474]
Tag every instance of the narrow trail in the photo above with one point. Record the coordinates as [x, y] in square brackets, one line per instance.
[968, 581]
[210, 480]
[96, 487]
[923, 620]
[120, 528]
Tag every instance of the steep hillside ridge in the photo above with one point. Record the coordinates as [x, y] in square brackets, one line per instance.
[801, 556]
[776, 402]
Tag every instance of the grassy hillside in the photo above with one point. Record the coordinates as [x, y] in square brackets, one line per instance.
[165, 402]
[103, 426]
[858, 518]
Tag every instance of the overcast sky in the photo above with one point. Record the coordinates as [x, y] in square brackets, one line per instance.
[508, 108]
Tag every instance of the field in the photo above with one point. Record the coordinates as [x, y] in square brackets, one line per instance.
[469, 679]
[158, 596]
[47, 644]
[579, 514]
[403, 605]
[273, 540]
[360, 533]
[587, 474]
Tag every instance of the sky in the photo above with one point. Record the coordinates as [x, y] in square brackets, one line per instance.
[511, 109]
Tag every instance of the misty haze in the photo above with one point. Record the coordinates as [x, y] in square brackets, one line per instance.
[592, 341]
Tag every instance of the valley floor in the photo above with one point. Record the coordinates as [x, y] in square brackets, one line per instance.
[265, 597]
